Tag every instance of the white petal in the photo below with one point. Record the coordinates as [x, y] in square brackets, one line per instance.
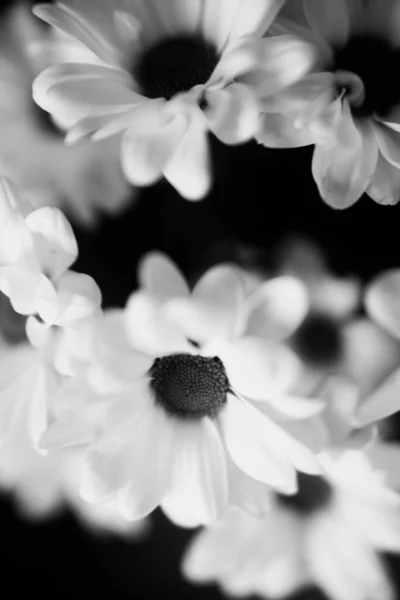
[385, 184]
[72, 23]
[277, 308]
[160, 277]
[253, 17]
[382, 301]
[279, 131]
[258, 369]
[20, 285]
[149, 330]
[146, 154]
[199, 488]
[344, 170]
[188, 169]
[54, 238]
[248, 445]
[233, 113]
[329, 19]
[78, 296]
[216, 308]
[11, 200]
[217, 20]
[285, 59]
[43, 392]
[382, 403]
[389, 144]
[150, 469]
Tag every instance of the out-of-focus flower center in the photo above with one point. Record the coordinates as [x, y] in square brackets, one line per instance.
[189, 386]
[314, 493]
[175, 65]
[366, 69]
[318, 340]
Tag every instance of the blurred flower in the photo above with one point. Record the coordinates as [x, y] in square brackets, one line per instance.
[382, 302]
[349, 106]
[44, 484]
[183, 378]
[82, 180]
[166, 72]
[328, 534]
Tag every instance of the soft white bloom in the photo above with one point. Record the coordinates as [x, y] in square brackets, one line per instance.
[183, 379]
[349, 105]
[169, 72]
[328, 534]
[82, 180]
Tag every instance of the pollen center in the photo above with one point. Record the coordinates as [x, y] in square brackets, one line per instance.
[175, 65]
[189, 386]
[319, 340]
[375, 62]
[314, 493]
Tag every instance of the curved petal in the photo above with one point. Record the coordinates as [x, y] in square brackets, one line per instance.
[73, 91]
[277, 308]
[149, 330]
[280, 131]
[188, 169]
[330, 20]
[385, 184]
[233, 113]
[78, 298]
[389, 144]
[382, 301]
[145, 154]
[159, 276]
[253, 17]
[284, 60]
[258, 369]
[199, 487]
[216, 308]
[248, 445]
[55, 243]
[343, 171]
[382, 403]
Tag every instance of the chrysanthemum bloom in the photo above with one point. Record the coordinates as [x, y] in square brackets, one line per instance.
[328, 534]
[170, 71]
[349, 105]
[42, 485]
[82, 180]
[185, 379]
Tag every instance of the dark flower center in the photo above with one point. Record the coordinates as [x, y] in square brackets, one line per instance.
[318, 340]
[377, 64]
[175, 65]
[189, 386]
[314, 493]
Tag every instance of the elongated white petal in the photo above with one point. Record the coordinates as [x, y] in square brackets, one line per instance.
[199, 487]
[248, 445]
[382, 301]
[233, 113]
[382, 403]
[385, 184]
[389, 144]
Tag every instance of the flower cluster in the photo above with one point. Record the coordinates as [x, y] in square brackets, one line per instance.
[253, 406]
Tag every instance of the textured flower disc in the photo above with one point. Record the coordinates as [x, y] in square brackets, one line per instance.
[175, 65]
[318, 340]
[189, 386]
[375, 62]
[314, 493]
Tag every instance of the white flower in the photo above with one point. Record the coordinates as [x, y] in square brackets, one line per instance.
[329, 535]
[82, 180]
[349, 106]
[185, 380]
[171, 70]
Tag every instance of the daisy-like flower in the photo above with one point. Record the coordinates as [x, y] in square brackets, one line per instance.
[349, 105]
[82, 180]
[328, 534]
[183, 378]
[170, 71]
